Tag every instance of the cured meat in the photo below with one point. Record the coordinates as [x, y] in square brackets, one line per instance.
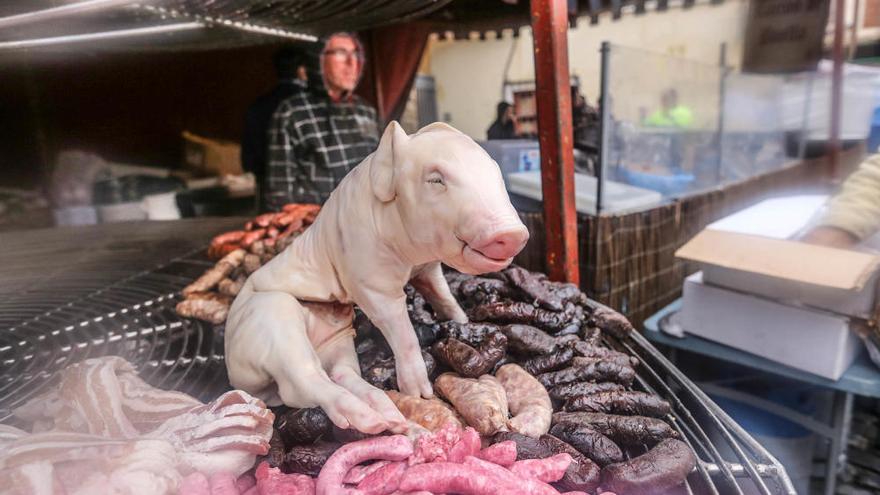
[620, 402]
[464, 359]
[586, 369]
[272, 481]
[520, 312]
[588, 350]
[104, 397]
[448, 443]
[470, 362]
[309, 459]
[582, 474]
[611, 321]
[501, 453]
[562, 392]
[625, 430]
[357, 474]
[251, 263]
[384, 480]
[303, 426]
[596, 446]
[663, 467]
[392, 448]
[214, 275]
[229, 287]
[548, 470]
[481, 402]
[432, 414]
[471, 333]
[549, 362]
[209, 306]
[527, 400]
[536, 287]
[527, 340]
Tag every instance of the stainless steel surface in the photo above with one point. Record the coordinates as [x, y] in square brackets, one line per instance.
[61, 11]
[71, 294]
[68, 294]
[99, 36]
[227, 23]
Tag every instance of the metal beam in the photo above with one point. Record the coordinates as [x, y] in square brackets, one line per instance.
[836, 89]
[59, 12]
[103, 35]
[553, 94]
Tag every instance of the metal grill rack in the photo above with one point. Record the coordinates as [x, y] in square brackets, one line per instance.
[135, 319]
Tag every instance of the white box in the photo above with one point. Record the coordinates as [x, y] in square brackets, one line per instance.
[813, 341]
[836, 280]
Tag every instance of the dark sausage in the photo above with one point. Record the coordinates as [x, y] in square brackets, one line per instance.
[549, 362]
[654, 472]
[590, 370]
[620, 402]
[596, 446]
[302, 426]
[625, 430]
[562, 392]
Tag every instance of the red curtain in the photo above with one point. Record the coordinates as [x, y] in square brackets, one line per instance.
[393, 57]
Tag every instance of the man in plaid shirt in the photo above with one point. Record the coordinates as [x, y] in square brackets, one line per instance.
[319, 134]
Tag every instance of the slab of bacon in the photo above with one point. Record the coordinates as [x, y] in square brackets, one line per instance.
[103, 426]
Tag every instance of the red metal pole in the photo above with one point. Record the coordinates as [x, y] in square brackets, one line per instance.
[836, 89]
[553, 92]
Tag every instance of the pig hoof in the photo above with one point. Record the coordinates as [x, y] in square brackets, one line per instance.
[350, 411]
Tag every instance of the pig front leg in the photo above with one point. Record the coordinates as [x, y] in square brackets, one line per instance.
[267, 340]
[340, 361]
[391, 318]
[431, 284]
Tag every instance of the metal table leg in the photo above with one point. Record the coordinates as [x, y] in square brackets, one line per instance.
[841, 419]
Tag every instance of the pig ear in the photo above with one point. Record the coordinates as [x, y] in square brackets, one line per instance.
[382, 164]
[438, 126]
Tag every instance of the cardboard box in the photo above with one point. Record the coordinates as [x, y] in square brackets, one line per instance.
[211, 157]
[836, 280]
[817, 342]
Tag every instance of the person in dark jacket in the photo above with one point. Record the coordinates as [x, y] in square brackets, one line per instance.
[318, 135]
[290, 67]
[504, 126]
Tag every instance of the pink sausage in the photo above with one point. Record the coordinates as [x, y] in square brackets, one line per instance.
[526, 485]
[547, 470]
[451, 477]
[252, 491]
[392, 448]
[502, 453]
[223, 483]
[384, 480]
[271, 481]
[245, 482]
[358, 473]
[467, 445]
[195, 484]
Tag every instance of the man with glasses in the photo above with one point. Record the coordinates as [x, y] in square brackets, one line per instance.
[318, 135]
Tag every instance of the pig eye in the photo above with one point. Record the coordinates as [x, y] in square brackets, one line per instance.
[436, 178]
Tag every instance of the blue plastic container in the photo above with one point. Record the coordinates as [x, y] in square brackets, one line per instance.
[666, 185]
[874, 137]
[789, 442]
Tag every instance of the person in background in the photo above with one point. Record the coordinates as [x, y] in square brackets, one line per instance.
[853, 214]
[318, 135]
[290, 69]
[671, 113]
[504, 126]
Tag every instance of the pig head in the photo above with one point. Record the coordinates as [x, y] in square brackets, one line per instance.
[417, 201]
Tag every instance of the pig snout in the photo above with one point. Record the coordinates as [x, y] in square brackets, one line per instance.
[503, 244]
